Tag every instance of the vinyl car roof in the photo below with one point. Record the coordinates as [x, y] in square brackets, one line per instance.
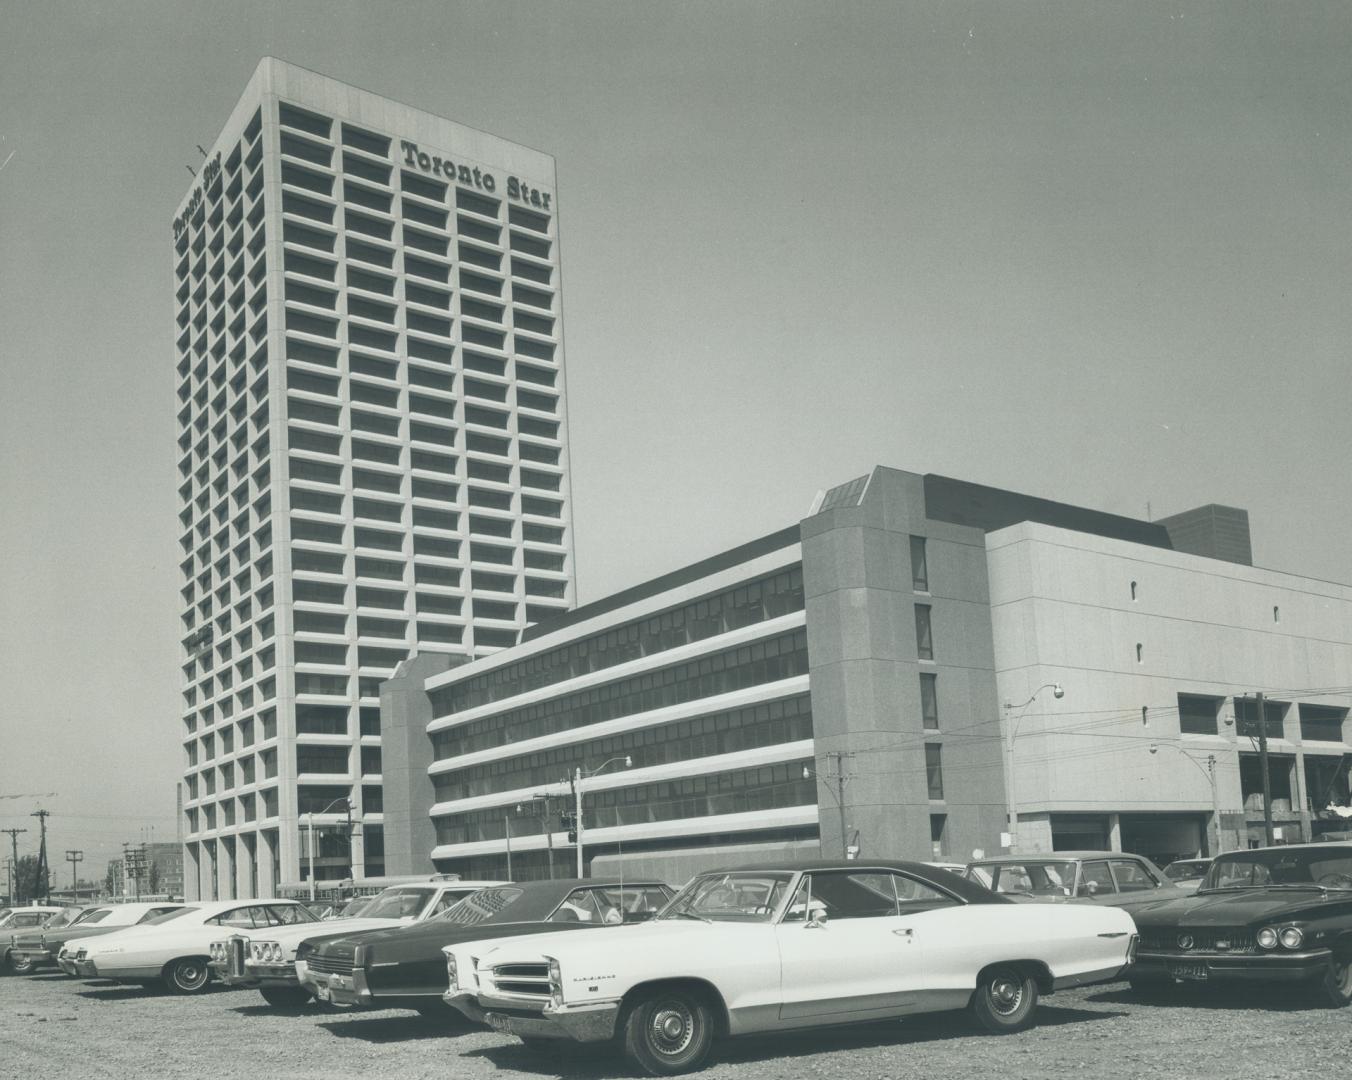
[1056, 856]
[970, 891]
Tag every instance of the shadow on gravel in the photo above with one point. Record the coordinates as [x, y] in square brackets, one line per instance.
[385, 1029]
[604, 1063]
[1260, 999]
[111, 991]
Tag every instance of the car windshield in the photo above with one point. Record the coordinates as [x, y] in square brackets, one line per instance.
[355, 906]
[1025, 878]
[398, 903]
[482, 906]
[62, 918]
[1190, 871]
[168, 916]
[93, 915]
[744, 896]
[1329, 868]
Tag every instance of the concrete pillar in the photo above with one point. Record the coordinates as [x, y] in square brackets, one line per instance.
[192, 881]
[406, 753]
[1114, 832]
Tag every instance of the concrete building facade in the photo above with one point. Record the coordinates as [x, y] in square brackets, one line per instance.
[372, 451]
[867, 680]
[1154, 746]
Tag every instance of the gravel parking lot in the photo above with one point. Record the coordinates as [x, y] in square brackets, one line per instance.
[54, 1027]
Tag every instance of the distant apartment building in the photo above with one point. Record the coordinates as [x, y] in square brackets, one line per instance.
[867, 680]
[372, 452]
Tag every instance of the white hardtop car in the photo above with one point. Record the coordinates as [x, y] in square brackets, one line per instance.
[24, 918]
[758, 950]
[265, 958]
[174, 948]
[58, 945]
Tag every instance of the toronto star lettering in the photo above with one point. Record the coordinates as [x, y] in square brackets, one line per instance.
[472, 176]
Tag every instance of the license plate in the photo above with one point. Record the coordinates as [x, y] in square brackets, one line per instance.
[1190, 972]
[498, 1023]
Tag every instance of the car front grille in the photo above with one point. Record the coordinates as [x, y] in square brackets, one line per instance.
[528, 979]
[330, 965]
[1212, 939]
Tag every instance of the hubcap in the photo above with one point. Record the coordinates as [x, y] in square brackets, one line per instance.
[189, 975]
[1006, 995]
[672, 1028]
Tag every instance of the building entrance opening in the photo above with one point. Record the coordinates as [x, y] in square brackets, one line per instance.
[1162, 838]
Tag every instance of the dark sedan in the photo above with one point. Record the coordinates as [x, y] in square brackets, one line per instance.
[403, 967]
[1279, 914]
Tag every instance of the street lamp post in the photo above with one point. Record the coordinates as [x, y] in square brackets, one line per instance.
[1011, 733]
[1209, 771]
[310, 819]
[576, 780]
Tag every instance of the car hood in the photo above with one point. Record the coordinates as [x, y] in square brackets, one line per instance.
[293, 935]
[1239, 907]
[426, 939]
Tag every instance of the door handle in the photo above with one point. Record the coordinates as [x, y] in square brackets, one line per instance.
[905, 932]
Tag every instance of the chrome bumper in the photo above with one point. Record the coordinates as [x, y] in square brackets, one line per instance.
[35, 956]
[256, 975]
[339, 989]
[85, 969]
[579, 1023]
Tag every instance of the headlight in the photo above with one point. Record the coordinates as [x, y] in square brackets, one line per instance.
[555, 981]
[1292, 937]
[215, 951]
[1267, 938]
[278, 953]
[452, 973]
[256, 950]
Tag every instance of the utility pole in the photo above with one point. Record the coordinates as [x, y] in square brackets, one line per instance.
[1267, 779]
[840, 778]
[14, 846]
[43, 883]
[74, 856]
[542, 808]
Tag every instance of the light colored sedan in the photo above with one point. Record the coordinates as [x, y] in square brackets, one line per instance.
[759, 950]
[1116, 878]
[174, 949]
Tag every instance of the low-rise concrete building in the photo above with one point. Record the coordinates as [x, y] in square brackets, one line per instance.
[894, 675]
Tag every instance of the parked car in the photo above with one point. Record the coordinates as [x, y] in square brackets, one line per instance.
[1115, 878]
[1278, 915]
[266, 959]
[24, 918]
[25, 921]
[405, 968]
[41, 948]
[1187, 874]
[757, 950]
[173, 949]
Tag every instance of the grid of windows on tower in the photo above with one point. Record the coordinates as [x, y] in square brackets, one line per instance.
[419, 485]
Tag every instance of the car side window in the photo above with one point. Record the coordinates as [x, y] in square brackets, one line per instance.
[914, 896]
[449, 897]
[844, 894]
[1095, 879]
[636, 904]
[1132, 876]
[244, 918]
[155, 912]
[579, 906]
[283, 914]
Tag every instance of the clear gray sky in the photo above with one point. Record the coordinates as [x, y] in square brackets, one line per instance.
[1094, 252]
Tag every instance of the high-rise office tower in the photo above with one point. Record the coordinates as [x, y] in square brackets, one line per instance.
[372, 452]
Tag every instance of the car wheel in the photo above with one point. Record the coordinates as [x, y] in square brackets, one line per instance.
[19, 965]
[1336, 985]
[286, 997]
[1005, 1000]
[187, 975]
[669, 1032]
